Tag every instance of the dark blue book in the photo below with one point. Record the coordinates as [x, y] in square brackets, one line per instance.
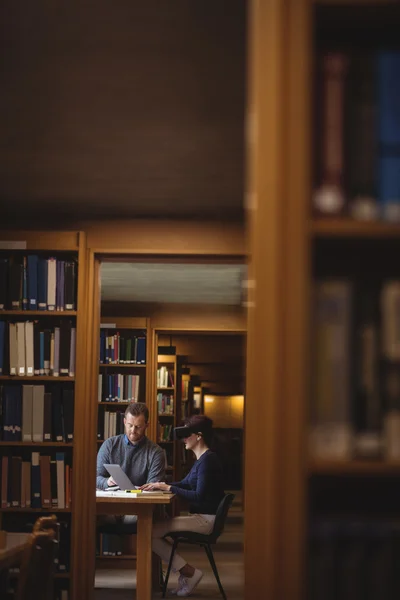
[389, 134]
[12, 406]
[33, 281]
[141, 351]
[42, 284]
[2, 344]
[25, 284]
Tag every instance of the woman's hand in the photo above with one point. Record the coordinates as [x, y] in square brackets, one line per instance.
[160, 485]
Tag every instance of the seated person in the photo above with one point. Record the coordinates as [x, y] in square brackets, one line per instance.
[202, 487]
[142, 461]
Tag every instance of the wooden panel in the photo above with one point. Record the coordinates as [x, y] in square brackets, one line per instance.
[267, 55]
[296, 279]
[165, 237]
[183, 317]
[331, 228]
[43, 240]
[80, 440]
[125, 322]
[85, 439]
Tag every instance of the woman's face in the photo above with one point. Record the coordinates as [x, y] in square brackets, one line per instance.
[191, 441]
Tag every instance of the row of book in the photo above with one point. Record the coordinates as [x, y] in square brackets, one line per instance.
[355, 409]
[123, 348]
[36, 413]
[165, 432]
[34, 283]
[165, 404]
[29, 348]
[109, 544]
[165, 377]
[44, 481]
[351, 560]
[357, 128]
[109, 424]
[118, 387]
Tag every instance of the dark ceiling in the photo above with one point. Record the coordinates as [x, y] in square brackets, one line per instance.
[122, 108]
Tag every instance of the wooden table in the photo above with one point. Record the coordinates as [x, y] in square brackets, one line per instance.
[141, 505]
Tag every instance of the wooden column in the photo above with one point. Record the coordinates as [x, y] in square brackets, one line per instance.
[278, 188]
[265, 316]
[86, 431]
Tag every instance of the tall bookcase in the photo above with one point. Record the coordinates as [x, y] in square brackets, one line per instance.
[123, 378]
[166, 410]
[353, 415]
[40, 364]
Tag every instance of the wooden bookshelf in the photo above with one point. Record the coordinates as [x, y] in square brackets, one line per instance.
[126, 328]
[70, 247]
[167, 364]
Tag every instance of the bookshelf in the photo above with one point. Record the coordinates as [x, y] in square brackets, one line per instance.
[123, 364]
[41, 304]
[353, 399]
[166, 410]
[122, 371]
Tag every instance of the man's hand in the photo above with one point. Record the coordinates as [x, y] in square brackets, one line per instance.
[110, 482]
[160, 485]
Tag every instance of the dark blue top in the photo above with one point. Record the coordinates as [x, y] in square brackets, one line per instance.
[202, 486]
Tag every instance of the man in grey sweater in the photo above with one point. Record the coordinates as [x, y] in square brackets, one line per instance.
[141, 460]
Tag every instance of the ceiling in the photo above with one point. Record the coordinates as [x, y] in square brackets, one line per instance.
[122, 109]
[173, 283]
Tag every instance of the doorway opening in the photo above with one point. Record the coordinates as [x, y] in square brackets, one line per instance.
[173, 336]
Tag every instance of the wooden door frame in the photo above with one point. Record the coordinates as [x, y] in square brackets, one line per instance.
[93, 312]
[278, 191]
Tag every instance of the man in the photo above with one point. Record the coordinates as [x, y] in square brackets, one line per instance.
[141, 460]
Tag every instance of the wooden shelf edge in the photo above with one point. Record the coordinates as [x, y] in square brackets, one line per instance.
[119, 557]
[355, 467]
[38, 313]
[34, 378]
[345, 227]
[122, 365]
[40, 444]
[18, 509]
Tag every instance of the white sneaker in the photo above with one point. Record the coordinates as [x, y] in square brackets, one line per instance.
[181, 583]
[190, 583]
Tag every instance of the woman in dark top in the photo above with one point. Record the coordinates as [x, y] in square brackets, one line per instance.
[202, 488]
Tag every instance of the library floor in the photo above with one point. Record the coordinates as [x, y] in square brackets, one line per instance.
[120, 584]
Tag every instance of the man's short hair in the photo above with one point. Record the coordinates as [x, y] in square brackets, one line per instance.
[136, 409]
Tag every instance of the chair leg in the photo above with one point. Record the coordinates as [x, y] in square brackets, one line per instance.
[210, 555]
[171, 558]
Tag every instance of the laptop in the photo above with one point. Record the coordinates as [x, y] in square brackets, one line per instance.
[120, 478]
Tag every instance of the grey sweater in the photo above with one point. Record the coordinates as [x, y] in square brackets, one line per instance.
[142, 463]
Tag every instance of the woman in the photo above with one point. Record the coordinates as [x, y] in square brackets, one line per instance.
[202, 487]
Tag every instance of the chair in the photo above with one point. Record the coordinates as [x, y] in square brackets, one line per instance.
[200, 539]
[37, 567]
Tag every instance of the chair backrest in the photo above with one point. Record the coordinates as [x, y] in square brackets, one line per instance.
[221, 514]
[37, 568]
